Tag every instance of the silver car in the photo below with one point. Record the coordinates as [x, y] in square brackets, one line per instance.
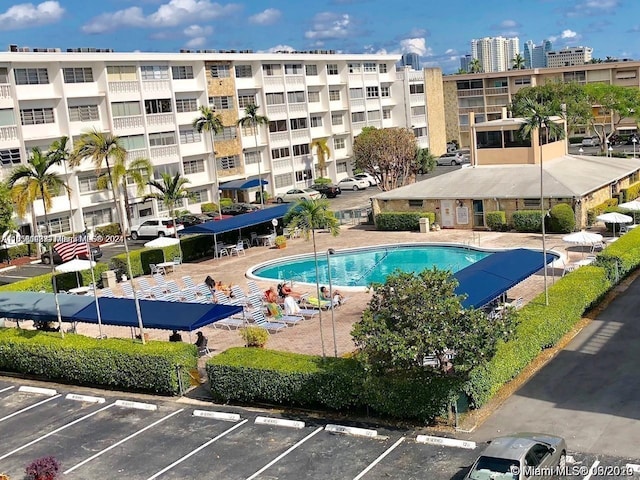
[534, 456]
[454, 158]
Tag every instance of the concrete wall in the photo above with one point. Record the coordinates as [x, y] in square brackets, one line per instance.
[435, 111]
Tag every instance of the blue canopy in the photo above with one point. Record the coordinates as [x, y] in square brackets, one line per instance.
[237, 222]
[242, 184]
[492, 276]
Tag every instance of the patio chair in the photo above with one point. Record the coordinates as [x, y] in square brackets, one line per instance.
[160, 281]
[270, 241]
[108, 293]
[189, 296]
[238, 293]
[597, 246]
[280, 316]
[229, 323]
[254, 289]
[188, 282]
[172, 286]
[222, 251]
[127, 289]
[177, 261]
[156, 270]
[204, 291]
[254, 239]
[158, 293]
[239, 248]
[261, 321]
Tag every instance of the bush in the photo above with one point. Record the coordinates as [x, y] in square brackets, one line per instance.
[402, 221]
[209, 207]
[45, 468]
[108, 230]
[599, 209]
[622, 257]
[631, 192]
[527, 221]
[112, 363]
[19, 251]
[323, 181]
[254, 336]
[64, 281]
[497, 221]
[562, 218]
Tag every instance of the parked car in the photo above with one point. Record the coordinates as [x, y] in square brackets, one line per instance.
[590, 141]
[351, 183]
[154, 227]
[454, 158]
[239, 209]
[373, 181]
[327, 189]
[191, 219]
[520, 456]
[96, 253]
[296, 194]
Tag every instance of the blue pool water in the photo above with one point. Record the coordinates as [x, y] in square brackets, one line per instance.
[361, 267]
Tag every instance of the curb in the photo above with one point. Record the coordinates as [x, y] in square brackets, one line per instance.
[35, 262]
[110, 244]
[7, 269]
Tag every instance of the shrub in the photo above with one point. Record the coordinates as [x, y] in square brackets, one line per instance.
[622, 257]
[45, 468]
[209, 207]
[108, 230]
[254, 336]
[592, 213]
[281, 241]
[631, 192]
[196, 246]
[402, 221]
[64, 281]
[18, 251]
[562, 218]
[497, 221]
[527, 221]
[323, 181]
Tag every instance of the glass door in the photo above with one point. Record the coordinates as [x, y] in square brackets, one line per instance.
[478, 213]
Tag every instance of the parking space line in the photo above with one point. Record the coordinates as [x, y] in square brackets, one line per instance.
[592, 470]
[379, 459]
[7, 388]
[59, 429]
[120, 442]
[29, 408]
[285, 453]
[193, 452]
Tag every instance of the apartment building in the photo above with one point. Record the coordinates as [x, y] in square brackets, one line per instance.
[149, 100]
[569, 56]
[487, 94]
[495, 53]
[535, 56]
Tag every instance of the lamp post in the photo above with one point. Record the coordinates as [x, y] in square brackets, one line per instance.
[331, 251]
[542, 211]
[219, 204]
[580, 151]
[610, 151]
[634, 140]
[274, 222]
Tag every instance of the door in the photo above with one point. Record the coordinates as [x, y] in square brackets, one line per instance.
[446, 212]
[478, 213]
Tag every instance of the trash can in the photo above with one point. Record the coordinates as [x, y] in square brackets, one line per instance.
[109, 279]
[424, 225]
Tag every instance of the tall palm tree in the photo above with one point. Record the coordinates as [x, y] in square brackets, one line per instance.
[323, 152]
[105, 148]
[308, 216]
[33, 181]
[475, 66]
[170, 191]
[59, 150]
[208, 121]
[537, 119]
[252, 119]
[518, 62]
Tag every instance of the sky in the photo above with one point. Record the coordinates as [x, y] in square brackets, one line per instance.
[439, 31]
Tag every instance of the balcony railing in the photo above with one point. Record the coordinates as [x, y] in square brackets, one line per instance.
[282, 164]
[124, 87]
[156, 85]
[496, 90]
[136, 154]
[164, 151]
[124, 123]
[472, 109]
[160, 119]
[8, 133]
[5, 91]
[473, 92]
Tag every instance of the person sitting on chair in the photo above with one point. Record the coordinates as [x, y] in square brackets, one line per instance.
[287, 290]
[201, 343]
[291, 307]
[271, 295]
[223, 288]
[175, 337]
[211, 283]
[326, 295]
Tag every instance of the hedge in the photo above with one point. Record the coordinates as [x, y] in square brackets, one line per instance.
[112, 363]
[108, 230]
[527, 221]
[622, 257]
[592, 213]
[562, 218]
[497, 221]
[18, 251]
[64, 281]
[402, 221]
[631, 192]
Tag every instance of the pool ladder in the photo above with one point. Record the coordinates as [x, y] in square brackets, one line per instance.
[355, 280]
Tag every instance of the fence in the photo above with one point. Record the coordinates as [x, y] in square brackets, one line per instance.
[354, 216]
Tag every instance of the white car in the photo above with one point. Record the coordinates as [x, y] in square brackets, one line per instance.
[373, 181]
[458, 157]
[296, 194]
[590, 142]
[351, 183]
[154, 227]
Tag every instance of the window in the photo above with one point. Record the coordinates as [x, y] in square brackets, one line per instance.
[157, 105]
[271, 69]
[284, 180]
[133, 142]
[416, 203]
[313, 97]
[532, 203]
[315, 121]
[252, 157]
[296, 97]
[56, 225]
[121, 73]
[228, 133]
[370, 67]
[355, 93]
[302, 149]
[243, 71]
[162, 138]
[154, 72]
[222, 103]
[199, 196]
[626, 74]
[88, 184]
[169, 168]
[280, 152]
[336, 119]
[311, 70]
[275, 98]
[418, 110]
[339, 143]
[386, 113]
[193, 166]
[341, 167]
[179, 203]
[7, 117]
[373, 92]
[98, 217]
[384, 91]
[83, 113]
[373, 114]
[298, 123]
[190, 136]
[292, 69]
[420, 132]
[334, 95]
[77, 75]
[522, 80]
[416, 88]
[4, 75]
[357, 117]
[220, 71]
[578, 76]
[125, 109]
[36, 116]
[183, 72]
[245, 100]
[31, 76]
[228, 163]
[332, 69]
[277, 126]
[10, 156]
[382, 68]
[186, 105]
[354, 68]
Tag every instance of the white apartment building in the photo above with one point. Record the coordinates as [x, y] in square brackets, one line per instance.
[569, 56]
[495, 53]
[149, 100]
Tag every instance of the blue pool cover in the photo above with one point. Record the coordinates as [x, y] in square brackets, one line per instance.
[492, 276]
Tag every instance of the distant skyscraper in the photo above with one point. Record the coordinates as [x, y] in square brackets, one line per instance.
[495, 53]
[411, 60]
[567, 57]
[465, 62]
[535, 56]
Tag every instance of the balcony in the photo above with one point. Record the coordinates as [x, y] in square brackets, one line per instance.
[273, 84]
[357, 102]
[282, 164]
[473, 92]
[417, 99]
[136, 154]
[164, 152]
[300, 135]
[127, 123]
[8, 133]
[279, 138]
[472, 109]
[5, 91]
[279, 111]
[158, 119]
[495, 108]
[298, 108]
[124, 87]
[496, 91]
[156, 86]
[294, 81]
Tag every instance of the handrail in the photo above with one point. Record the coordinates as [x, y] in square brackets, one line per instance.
[357, 279]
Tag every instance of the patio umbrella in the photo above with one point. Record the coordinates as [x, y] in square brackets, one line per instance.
[75, 265]
[162, 242]
[583, 238]
[633, 205]
[614, 217]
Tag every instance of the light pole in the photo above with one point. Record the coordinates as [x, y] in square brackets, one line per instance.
[219, 206]
[542, 211]
[331, 251]
[610, 151]
[274, 222]
[634, 140]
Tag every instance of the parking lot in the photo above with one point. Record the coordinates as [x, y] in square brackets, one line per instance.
[94, 435]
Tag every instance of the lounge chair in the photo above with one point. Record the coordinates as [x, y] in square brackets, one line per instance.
[261, 321]
[188, 282]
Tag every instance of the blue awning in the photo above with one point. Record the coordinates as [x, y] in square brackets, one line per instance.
[492, 276]
[237, 222]
[242, 184]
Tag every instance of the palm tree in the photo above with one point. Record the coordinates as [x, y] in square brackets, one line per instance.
[307, 216]
[537, 119]
[105, 148]
[475, 66]
[60, 151]
[518, 62]
[252, 119]
[170, 191]
[33, 181]
[461, 71]
[323, 152]
[208, 121]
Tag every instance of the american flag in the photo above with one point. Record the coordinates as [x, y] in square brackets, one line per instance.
[70, 250]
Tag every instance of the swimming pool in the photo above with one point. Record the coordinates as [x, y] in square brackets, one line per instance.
[362, 266]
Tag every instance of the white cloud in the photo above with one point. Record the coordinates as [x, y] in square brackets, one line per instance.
[171, 14]
[197, 31]
[29, 15]
[415, 45]
[594, 7]
[568, 34]
[329, 25]
[267, 17]
[196, 42]
[508, 24]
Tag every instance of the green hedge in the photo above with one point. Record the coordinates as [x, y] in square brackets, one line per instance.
[562, 219]
[112, 363]
[18, 251]
[631, 192]
[622, 257]
[108, 230]
[402, 221]
[497, 221]
[599, 209]
[527, 221]
[64, 281]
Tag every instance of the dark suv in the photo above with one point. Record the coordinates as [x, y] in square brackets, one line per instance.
[96, 253]
[239, 208]
[327, 189]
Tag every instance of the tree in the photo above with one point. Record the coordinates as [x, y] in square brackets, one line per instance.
[323, 152]
[253, 120]
[208, 121]
[6, 208]
[107, 149]
[414, 316]
[32, 181]
[517, 62]
[389, 154]
[461, 71]
[309, 216]
[426, 161]
[59, 150]
[475, 66]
